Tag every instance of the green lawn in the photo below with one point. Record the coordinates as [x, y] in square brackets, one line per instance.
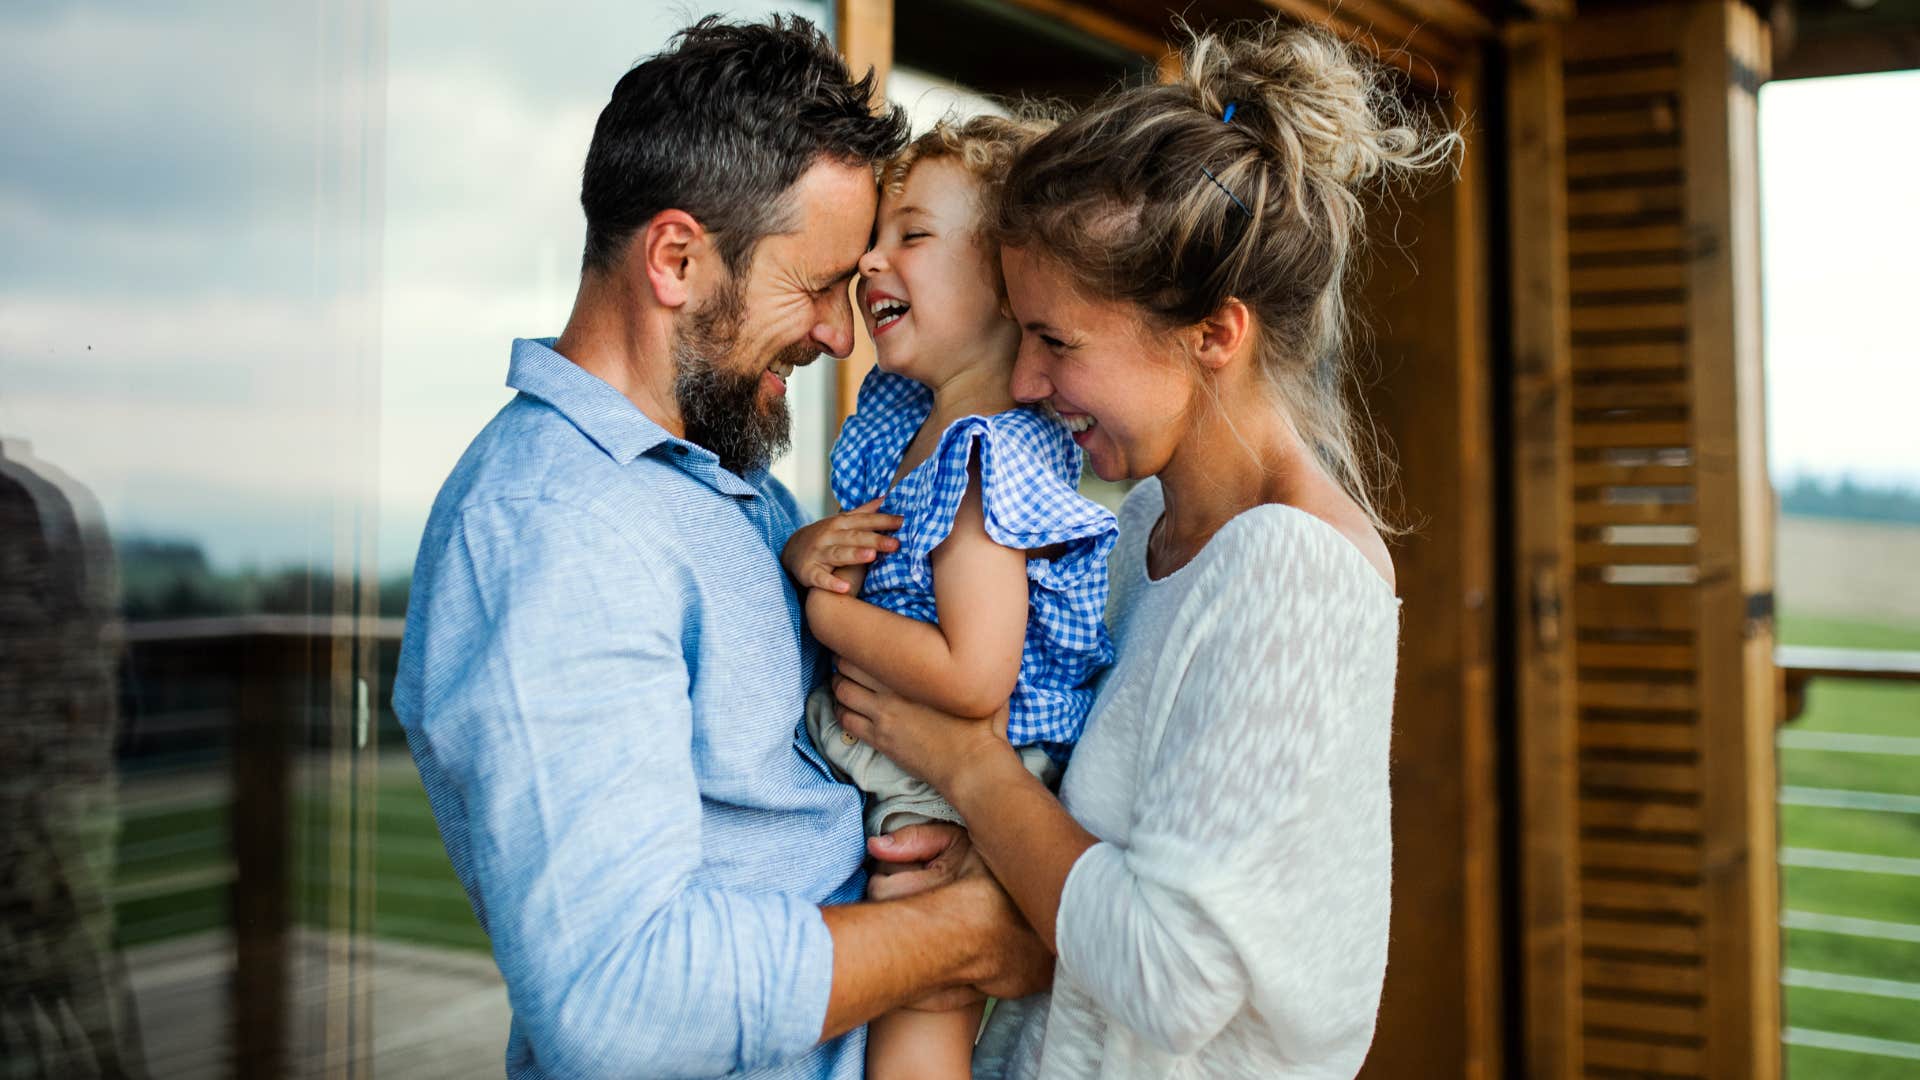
[173, 865]
[1859, 709]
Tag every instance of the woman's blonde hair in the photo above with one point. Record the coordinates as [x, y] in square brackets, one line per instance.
[1241, 178]
[986, 147]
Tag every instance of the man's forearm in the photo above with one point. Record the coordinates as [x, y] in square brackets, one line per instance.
[888, 954]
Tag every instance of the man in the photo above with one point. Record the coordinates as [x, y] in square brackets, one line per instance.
[604, 669]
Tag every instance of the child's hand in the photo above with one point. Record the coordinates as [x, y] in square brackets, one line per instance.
[853, 538]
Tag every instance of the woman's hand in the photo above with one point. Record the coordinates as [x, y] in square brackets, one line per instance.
[853, 538]
[935, 746]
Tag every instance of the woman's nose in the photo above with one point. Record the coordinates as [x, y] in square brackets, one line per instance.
[1029, 383]
[872, 262]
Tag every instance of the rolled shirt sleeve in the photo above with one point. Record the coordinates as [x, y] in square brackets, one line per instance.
[553, 712]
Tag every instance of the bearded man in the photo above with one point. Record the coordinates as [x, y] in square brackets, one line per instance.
[604, 670]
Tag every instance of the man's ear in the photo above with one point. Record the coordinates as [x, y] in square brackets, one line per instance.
[1221, 335]
[665, 249]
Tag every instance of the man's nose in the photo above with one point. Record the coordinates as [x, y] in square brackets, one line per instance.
[834, 334]
[1029, 383]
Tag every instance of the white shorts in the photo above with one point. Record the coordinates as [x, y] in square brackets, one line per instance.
[898, 798]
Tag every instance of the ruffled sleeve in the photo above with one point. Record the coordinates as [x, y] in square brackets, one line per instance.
[1029, 476]
[888, 411]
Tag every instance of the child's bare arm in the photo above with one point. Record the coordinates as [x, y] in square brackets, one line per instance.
[968, 663]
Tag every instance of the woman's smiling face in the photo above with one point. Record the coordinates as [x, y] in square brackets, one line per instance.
[1125, 390]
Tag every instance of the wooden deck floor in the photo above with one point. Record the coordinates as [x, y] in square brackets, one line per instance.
[436, 1012]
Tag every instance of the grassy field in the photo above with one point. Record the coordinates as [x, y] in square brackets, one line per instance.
[1817, 900]
[173, 874]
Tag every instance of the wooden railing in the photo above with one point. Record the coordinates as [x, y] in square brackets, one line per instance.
[1863, 793]
[268, 681]
[1801, 664]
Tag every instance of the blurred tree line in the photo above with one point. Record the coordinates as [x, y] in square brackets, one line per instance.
[171, 579]
[1847, 498]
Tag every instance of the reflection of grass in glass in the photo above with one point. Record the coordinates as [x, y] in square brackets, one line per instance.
[174, 866]
[417, 897]
[1858, 708]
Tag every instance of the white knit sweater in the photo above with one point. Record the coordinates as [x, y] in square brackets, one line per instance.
[1232, 922]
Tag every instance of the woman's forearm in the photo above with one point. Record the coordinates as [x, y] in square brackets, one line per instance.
[1027, 838]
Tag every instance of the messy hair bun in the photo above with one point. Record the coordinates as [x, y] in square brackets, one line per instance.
[1147, 196]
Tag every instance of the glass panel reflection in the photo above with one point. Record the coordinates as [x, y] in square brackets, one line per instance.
[264, 265]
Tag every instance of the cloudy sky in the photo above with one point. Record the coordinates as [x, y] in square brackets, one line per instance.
[1840, 196]
[264, 260]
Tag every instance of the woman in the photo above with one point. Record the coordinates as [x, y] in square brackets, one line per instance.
[1214, 875]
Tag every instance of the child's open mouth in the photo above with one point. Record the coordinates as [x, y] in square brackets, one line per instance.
[886, 311]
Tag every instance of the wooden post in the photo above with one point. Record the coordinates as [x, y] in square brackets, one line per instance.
[1542, 568]
[1675, 688]
[1425, 302]
[262, 850]
[1724, 46]
[865, 30]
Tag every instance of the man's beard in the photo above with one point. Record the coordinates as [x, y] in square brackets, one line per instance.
[721, 408]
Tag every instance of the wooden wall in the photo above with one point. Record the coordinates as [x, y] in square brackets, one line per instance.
[1425, 310]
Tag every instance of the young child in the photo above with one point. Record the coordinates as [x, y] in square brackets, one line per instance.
[994, 588]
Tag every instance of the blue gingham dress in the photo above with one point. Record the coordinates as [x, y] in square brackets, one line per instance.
[1029, 469]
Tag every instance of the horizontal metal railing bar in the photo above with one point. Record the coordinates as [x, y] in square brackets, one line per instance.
[223, 872]
[1850, 984]
[1845, 799]
[1876, 929]
[1851, 861]
[1852, 1044]
[1809, 661]
[383, 628]
[1839, 742]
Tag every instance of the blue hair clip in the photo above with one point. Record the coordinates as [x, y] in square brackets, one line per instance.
[1228, 191]
[1228, 119]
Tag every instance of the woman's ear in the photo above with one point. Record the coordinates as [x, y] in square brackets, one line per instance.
[665, 249]
[1220, 336]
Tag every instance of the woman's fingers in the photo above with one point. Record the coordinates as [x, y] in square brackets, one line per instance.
[855, 724]
[858, 674]
[852, 695]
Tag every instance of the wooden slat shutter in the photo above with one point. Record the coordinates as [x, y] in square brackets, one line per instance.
[1646, 693]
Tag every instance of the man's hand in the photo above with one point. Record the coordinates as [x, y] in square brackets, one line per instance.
[916, 858]
[1014, 961]
[853, 538]
[922, 857]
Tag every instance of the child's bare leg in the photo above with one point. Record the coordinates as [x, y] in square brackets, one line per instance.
[915, 1044]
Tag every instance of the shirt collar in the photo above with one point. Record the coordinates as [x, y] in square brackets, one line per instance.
[605, 416]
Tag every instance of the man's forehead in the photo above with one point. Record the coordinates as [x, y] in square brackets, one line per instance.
[833, 208]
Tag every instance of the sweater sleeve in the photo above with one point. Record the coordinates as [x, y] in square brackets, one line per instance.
[1256, 872]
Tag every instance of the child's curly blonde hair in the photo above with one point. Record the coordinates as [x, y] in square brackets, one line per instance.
[986, 147]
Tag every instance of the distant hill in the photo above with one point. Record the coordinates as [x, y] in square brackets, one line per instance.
[1850, 500]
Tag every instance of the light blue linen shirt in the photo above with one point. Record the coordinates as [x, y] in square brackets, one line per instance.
[602, 682]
